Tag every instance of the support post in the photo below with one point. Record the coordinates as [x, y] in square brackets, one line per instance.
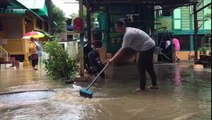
[88, 17]
[81, 49]
[195, 33]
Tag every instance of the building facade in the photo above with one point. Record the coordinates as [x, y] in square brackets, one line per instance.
[180, 22]
[16, 19]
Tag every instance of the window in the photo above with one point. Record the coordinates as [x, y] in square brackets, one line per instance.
[158, 10]
[63, 45]
[207, 12]
[177, 18]
[46, 27]
[39, 23]
[11, 32]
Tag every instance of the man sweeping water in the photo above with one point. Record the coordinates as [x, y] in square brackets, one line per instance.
[134, 40]
[138, 41]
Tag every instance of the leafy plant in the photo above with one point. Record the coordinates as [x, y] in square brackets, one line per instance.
[60, 66]
[203, 49]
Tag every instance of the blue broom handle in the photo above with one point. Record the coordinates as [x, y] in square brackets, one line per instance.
[98, 75]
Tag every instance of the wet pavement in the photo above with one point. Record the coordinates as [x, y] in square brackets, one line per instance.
[184, 94]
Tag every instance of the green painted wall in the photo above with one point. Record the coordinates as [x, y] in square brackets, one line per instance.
[164, 22]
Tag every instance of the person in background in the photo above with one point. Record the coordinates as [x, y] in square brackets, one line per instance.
[138, 41]
[34, 51]
[176, 45]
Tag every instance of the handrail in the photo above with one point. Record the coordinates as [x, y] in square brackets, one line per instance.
[3, 49]
[7, 54]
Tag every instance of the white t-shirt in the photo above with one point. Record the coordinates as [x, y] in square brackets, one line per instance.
[137, 40]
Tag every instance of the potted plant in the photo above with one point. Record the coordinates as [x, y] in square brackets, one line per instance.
[202, 50]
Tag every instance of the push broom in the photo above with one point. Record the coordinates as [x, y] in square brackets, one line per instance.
[85, 92]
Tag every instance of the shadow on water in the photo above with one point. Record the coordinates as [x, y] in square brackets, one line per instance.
[184, 94]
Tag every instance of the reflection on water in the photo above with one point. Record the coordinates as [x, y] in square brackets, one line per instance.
[184, 94]
[25, 79]
[177, 76]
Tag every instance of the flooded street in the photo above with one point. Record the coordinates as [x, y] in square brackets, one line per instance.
[184, 94]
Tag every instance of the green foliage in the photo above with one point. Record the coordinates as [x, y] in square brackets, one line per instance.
[60, 66]
[59, 19]
[203, 49]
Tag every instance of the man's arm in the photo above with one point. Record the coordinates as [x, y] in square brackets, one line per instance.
[118, 55]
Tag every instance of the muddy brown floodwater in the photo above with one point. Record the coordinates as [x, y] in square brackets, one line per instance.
[184, 94]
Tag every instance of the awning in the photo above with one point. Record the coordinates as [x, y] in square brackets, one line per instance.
[37, 6]
[42, 12]
[13, 11]
[19, 5]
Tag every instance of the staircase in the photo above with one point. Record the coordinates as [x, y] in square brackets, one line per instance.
[4, 57]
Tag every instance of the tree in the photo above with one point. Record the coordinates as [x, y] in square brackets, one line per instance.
[59, 20]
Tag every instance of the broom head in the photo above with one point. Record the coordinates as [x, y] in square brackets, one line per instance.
[86, 93]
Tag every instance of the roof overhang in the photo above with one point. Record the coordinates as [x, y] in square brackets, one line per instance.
[164, 3]
[42, 11]
[37, 6]
[6, 3]
[13, 11]
[153, 2]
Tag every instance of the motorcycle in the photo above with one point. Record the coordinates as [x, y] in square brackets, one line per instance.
[92, 61]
